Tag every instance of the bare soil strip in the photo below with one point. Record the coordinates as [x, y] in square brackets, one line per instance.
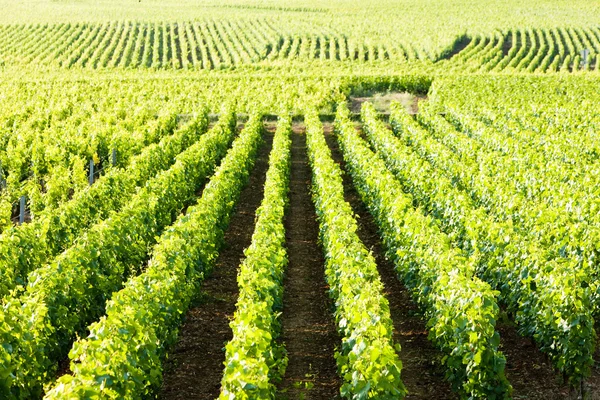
[195, 365]
[422, 373]
[531, 372]
[308, 327]
[382, 101]
[528, 369]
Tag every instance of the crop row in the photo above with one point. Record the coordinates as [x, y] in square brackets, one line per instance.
[206, 44]
[25, 247]
[531, 50]
[367, 360]
[534, 288]
[46, 156]
[254, 360]
[557, 213]
[461, 309]
[122, 356]
[68, 293]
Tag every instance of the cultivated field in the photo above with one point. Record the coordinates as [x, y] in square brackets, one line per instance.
[299, 200]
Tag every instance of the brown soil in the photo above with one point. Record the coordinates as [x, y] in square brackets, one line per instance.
[195, 365]
[64, 367]
[507, 44]
[308, 328]
[422, 372]
[382, 102]
[531, 373]
[591, 386]
[527, 369]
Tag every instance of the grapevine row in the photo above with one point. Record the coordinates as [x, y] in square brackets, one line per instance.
[46, 154]
[65, 295]
[367, 360]
[550, 219]
[531, 50]
[203, 44]
[507, 260]
[55, 230]
[461, 309]
[254, 361]
[123, 354]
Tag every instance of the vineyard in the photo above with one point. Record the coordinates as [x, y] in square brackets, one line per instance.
[188, 45]
[214, 44]
[285, 200]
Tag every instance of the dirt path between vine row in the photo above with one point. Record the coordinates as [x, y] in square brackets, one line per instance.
[528, 370]
[422, 373]
[308, 327]
[195, 365]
